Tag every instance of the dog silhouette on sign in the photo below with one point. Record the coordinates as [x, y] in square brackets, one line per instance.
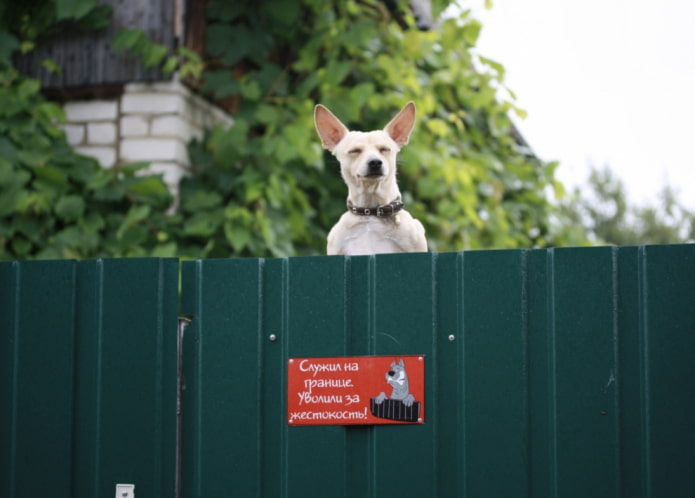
[401, 405]
[397, 378]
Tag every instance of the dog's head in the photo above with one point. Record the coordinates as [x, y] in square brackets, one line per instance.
[365, 157]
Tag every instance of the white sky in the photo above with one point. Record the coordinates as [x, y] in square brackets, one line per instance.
[604, 82]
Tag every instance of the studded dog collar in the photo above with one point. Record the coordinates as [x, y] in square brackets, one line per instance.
[382, 211]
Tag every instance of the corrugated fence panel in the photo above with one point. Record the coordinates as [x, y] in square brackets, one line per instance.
[494, 398]
[583, 355]
[223, 378]
[38, 337]
[314, 310]
[89, 367]
[667, 275]
[549, 373]
[127, 375]
[629, 378]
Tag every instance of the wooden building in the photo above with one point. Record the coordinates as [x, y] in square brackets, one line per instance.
[117, 110]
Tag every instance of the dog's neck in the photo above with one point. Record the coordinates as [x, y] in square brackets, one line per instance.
[374, 194]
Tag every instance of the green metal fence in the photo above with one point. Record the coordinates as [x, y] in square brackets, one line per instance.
[549, 373]
[88, 379]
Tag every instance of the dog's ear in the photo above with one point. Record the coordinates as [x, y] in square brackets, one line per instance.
[401, 363]
[399, 127]
[329, 128]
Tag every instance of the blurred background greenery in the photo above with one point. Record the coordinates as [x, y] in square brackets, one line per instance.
[264, 187]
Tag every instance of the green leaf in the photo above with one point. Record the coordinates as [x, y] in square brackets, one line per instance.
[361, 93]
[200, 200]
[70, 207]
[102, 178]
[27, 46]
[282, 12]
[228, 145]
[438, 127]
[221, 83]
[204, 224]
[8, 44]
[93, 222]
[28, 88]
[21, 247]
[133, 217]
[49, 111]
[243, 43]
[165, 250]
[471, 32]
[8, 152]
[52, 175]
[51, 66]
[97, 18]
[335, 72]
[131, 169]
[217, 38]
[73, 9]
[150, 188]
[6, 173]
[238, 236]
[153, 54]
[9, 201]
[128, 39]
[270, 78]
[33, 202]
[250, 89]
[253, 190]
[226, 11]
[190, 54]
[137, 42]
[267, 114]
[32, 158]
[170, 65]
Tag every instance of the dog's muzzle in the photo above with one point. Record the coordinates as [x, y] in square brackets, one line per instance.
[381, 211]
[375, 168]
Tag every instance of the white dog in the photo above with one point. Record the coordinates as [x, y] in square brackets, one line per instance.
[375, 222]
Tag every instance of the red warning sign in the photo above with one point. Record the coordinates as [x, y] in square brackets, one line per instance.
[351, 390]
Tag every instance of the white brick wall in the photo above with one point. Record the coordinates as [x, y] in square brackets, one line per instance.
[74, 133]
[151, 103]
[150, 122]
[95, 110]
[171, 172]
[101, 133]
[153, 149]
[105, 155]
[134, 126]
[171, 126]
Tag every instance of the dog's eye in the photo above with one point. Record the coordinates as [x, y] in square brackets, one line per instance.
[384, 150]
[356, 150]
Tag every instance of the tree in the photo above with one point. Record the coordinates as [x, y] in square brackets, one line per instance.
[610, 218]
[264, 187]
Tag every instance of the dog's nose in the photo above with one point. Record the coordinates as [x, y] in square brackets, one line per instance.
[391, 373]
[374, 166]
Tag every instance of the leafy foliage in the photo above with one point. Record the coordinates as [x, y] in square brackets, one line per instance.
[55, 203]
[151, 53]
[276, 192]
[264, 187]
[610, 218]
